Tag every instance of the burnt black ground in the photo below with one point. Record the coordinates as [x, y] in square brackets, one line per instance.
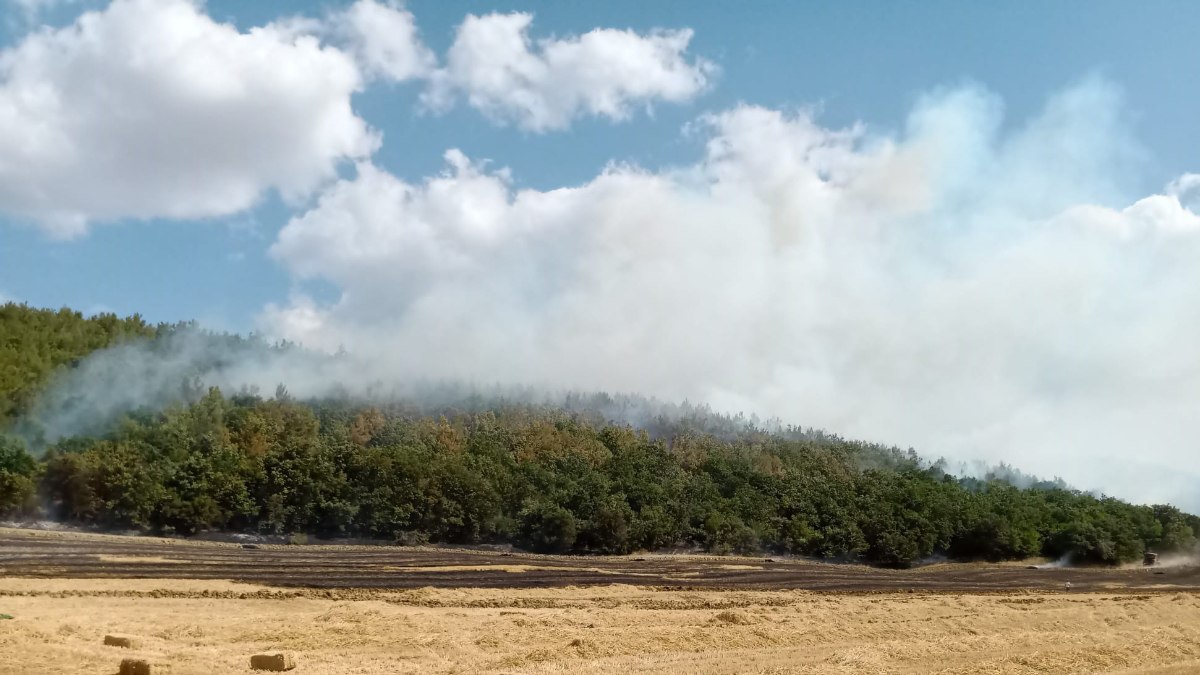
[70, 555]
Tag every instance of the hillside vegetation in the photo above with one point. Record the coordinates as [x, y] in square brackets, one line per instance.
[549, 479]
[36, 342]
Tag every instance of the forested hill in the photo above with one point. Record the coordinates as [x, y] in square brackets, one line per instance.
[566, 478]
[35, 342]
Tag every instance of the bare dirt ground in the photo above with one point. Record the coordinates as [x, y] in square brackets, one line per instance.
[204, 608]
[33, 553]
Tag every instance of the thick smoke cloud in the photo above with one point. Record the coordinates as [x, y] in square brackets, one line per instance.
[973, 289]
[180, 366]
[974, 286]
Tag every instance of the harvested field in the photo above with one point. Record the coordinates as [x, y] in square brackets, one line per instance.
[198, 627]
[32, 553]
[558, 615]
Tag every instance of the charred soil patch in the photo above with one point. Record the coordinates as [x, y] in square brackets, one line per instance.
[37, 554]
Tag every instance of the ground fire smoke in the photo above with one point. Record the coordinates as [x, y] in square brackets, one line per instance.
[973, 287]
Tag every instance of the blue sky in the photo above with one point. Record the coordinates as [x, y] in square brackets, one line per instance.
[863, 61]
[965, 227]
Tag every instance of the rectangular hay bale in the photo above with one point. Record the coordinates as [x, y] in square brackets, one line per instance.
[276, 661]
[126, 641]
[135, 667]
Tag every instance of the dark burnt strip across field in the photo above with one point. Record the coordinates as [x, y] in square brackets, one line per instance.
[70, 555]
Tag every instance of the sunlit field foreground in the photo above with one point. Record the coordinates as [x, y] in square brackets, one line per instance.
[60, 626]
[1128, 621]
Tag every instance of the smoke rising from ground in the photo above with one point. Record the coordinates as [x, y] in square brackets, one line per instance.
[974, 287]
[179, 368]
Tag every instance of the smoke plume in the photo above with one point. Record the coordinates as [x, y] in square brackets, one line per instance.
[975, 287]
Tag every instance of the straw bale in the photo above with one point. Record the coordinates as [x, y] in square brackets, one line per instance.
[126, 641]
[276, 661]
[135, 667]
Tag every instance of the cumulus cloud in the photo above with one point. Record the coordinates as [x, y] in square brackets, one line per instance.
[1186, 189]
[384, 39]
[973, 292]
[543, 86]
[149, 108]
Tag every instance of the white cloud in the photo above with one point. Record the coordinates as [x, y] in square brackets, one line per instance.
[384, 39]
[151, 109]
[495, 65]
[1186, 189]
[973, 293]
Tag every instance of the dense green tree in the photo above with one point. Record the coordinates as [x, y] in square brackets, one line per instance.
[18, 478]
[546, 528]
[555, 484]
[474, 469]
[34, 343]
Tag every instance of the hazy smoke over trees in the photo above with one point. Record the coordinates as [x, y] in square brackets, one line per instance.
[974, 286]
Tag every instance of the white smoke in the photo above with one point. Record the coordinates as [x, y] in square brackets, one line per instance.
[91, 396]
[974, 289]
[180, 366]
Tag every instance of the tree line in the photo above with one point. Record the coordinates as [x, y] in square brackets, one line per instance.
[552, 481]
[34, 343]
[556, 479]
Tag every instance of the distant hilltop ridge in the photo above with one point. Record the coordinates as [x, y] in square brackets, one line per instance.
[577, 473]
